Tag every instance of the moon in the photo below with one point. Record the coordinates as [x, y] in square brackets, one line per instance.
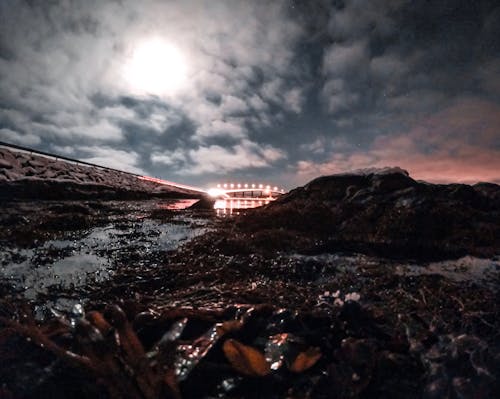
[156, 67]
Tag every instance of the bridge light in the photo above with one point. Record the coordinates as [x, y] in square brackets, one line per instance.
[253, 185]
[239, 185]
[232, 185]
[216, 192]
[261, 186]
[275, 188]
[225, 185]
[246, 185]
[218, 185]
[268, 187]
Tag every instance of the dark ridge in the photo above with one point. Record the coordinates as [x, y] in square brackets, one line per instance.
[388, 214]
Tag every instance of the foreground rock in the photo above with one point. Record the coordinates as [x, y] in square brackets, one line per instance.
[245, 352]
[385, 213]
[28, 176]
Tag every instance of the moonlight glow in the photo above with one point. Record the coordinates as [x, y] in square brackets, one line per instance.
[156, 67]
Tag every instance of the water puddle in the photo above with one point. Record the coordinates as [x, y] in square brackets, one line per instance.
[178, 204]
[85, 257]
[485, 272]
[66, 273]
[468, 268]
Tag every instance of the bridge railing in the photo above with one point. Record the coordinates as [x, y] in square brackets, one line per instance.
[169, 183]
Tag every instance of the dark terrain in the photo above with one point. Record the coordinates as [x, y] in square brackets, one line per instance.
[387, 214]
[355, 286]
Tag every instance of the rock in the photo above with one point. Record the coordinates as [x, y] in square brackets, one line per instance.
[80, 176]
[4, 164]
[205, 203]
[392, 182]
[387, 214]
[29, 171]
[9, 157]
[11, 175]
[57, 179]
[38, 163]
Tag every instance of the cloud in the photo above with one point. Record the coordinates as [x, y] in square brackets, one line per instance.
[215, 158]
[342, 59]
[63, 150]
[117, 159]
[326, 145]
[176, 158]
[458, 144]
[337, 97]
[102, 129]
[218, 159]
[385, 51]
[293, 99]
[233, 105]
[324, 85]
[359, 19]
[489, 76]
[11, 136]
[231, 128]
[60, 56]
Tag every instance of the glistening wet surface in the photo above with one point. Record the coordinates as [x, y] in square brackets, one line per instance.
[84, 257]
[468, 269]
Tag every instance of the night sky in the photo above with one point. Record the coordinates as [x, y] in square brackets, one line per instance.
[210, 91]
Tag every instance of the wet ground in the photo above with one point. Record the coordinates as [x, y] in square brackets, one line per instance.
[46, 262]
[229, 313]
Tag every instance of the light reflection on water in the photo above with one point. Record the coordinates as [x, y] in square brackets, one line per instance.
[231, 206]
[179, 204]
[69, 272]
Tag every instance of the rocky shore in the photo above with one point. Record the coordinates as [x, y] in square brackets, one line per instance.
[369, 285]
[386, 213]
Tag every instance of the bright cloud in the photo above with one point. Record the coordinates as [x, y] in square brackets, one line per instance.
[117, 159]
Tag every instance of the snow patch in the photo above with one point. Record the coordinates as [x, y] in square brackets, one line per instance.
[375, 171]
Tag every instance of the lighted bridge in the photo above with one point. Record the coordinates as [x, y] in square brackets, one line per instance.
[233, 196]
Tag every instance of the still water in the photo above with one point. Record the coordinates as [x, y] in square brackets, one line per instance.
[76, 259]
[233, 205]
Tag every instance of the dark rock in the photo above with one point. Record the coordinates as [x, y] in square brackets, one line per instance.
[388, 214]
[205, 203]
